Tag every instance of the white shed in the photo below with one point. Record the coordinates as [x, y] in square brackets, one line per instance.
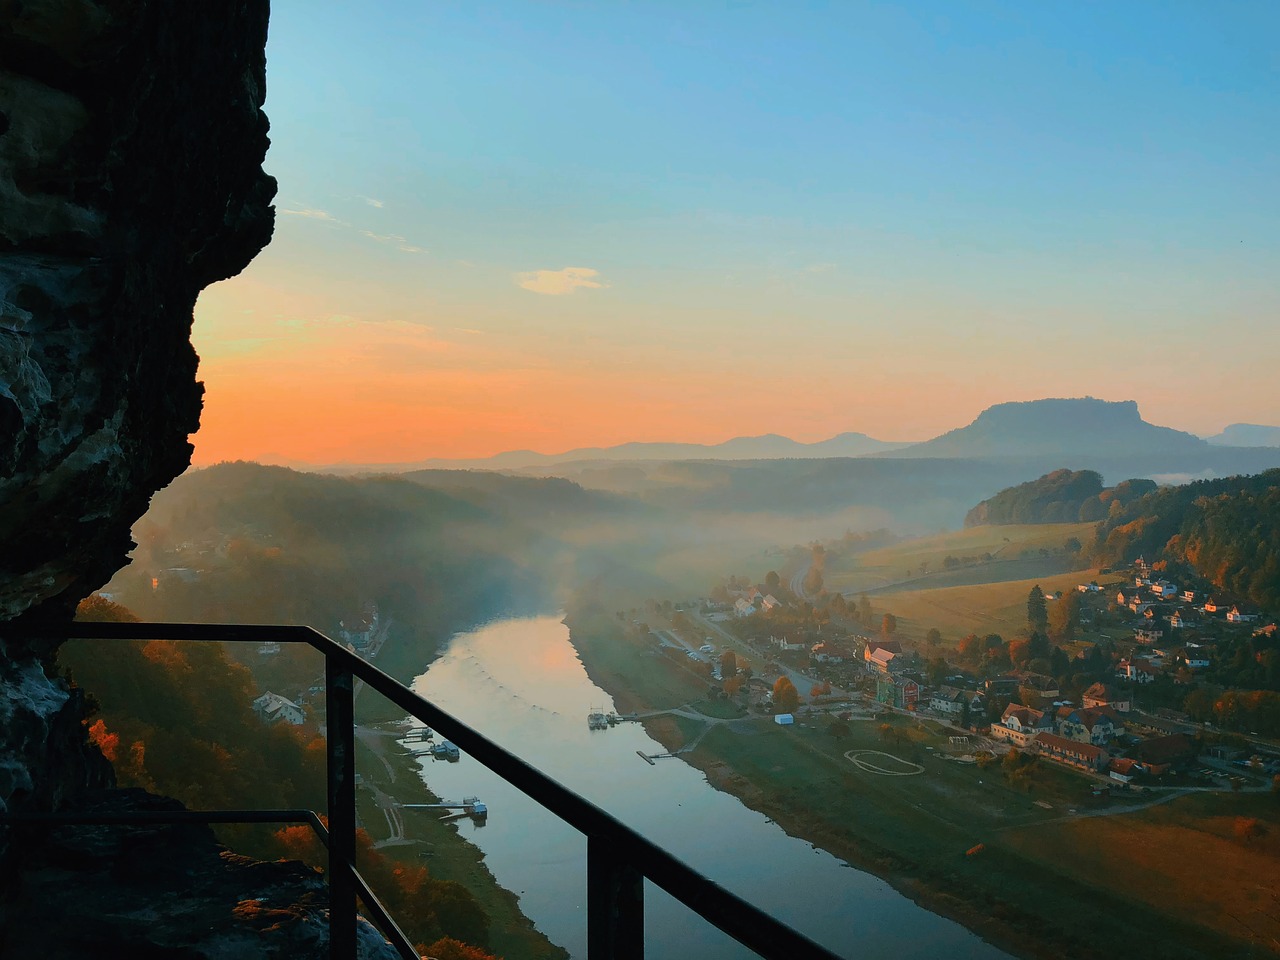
[783, 719]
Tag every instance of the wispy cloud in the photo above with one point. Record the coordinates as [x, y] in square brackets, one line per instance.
[558, 283]
[311, 213]
[372, 202]
[395, 240]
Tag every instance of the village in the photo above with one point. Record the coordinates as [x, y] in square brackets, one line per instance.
[1111, 710]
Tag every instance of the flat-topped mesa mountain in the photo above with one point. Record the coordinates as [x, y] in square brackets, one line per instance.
[1246, 435]
[1042, 428]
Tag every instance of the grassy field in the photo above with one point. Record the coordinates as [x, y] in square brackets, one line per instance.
[1184, 853]
[887, 566]
[1023, 891]
[979, 608]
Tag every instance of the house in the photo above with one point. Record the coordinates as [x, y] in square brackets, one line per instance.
[1164, 589]
[1148, 634]
[785, 645]
[1196, 658]
[1083, 756]
[1105, 695]
[769, 602]
[1019, 725]
[1122, 598]
[948, 701]
[901, 692]
[1238, 614]
[1162, 754]
[879, 654]
[1090, 587]
[1139, 671]
[1213, 605]
[1123, 769]
[1188, 596]
[1097, 725]
[1178, 620]
[826, 653]
[271, 708]
[784, 719]
[1140, 607]
[743, 607]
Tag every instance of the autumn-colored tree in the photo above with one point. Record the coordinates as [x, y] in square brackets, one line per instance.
[885, 730]
[889, 624]
[970, 648]
[447, 948]
[732, 686]
[785, 696]
[1249, 828]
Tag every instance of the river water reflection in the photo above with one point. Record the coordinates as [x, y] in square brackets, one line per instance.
[520, 682]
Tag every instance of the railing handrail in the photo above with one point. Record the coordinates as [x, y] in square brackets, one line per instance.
[738, 918]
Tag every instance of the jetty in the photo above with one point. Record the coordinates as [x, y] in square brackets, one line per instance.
[471, 807]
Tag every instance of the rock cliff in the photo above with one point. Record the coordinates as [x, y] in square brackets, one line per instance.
[131, 148]
[131, 145]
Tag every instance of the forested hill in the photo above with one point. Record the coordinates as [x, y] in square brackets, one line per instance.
[1227, 530]
[1063, 496]
[249, 543]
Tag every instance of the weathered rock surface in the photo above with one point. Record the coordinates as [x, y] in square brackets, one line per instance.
[163, 891]
[131, 148]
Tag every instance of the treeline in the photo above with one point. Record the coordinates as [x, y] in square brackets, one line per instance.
[241, 542]
[177, 719]
[1063, 496]
[1227, 530]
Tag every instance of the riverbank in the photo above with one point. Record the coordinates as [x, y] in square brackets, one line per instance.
[912, 831]
[390, 777]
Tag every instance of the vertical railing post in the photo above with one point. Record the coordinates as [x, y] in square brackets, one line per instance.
[340, 728]
[615, 904]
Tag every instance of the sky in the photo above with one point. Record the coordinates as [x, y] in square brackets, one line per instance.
[550, 225]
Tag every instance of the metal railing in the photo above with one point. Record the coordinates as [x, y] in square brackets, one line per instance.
[618, 858]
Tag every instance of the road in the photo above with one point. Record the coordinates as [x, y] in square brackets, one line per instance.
[803, 682]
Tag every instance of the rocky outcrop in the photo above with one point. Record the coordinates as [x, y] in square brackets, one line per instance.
[164, 890]
[131, 148]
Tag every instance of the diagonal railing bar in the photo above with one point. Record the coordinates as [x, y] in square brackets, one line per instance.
[617, 855]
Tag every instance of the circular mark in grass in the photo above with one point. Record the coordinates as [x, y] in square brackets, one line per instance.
[883, 764]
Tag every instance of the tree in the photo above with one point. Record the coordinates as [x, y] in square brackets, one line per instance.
[447, 948]
[772, 581]
[728, 664]
[969, 648]
[1037, 611]
[865, 613]
[1065, 618]
[934, 637]
[785, 696]
[889, 625]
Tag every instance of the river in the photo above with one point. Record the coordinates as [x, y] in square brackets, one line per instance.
[521, 683]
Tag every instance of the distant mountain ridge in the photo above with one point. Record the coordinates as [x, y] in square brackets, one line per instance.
[1246, 435]
[769, 446]
[1058, 427]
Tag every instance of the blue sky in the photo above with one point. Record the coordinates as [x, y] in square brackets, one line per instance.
[697, 220]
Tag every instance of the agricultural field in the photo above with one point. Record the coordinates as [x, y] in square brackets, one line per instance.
[1146, 856]
[980, 608]
[920, 563]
